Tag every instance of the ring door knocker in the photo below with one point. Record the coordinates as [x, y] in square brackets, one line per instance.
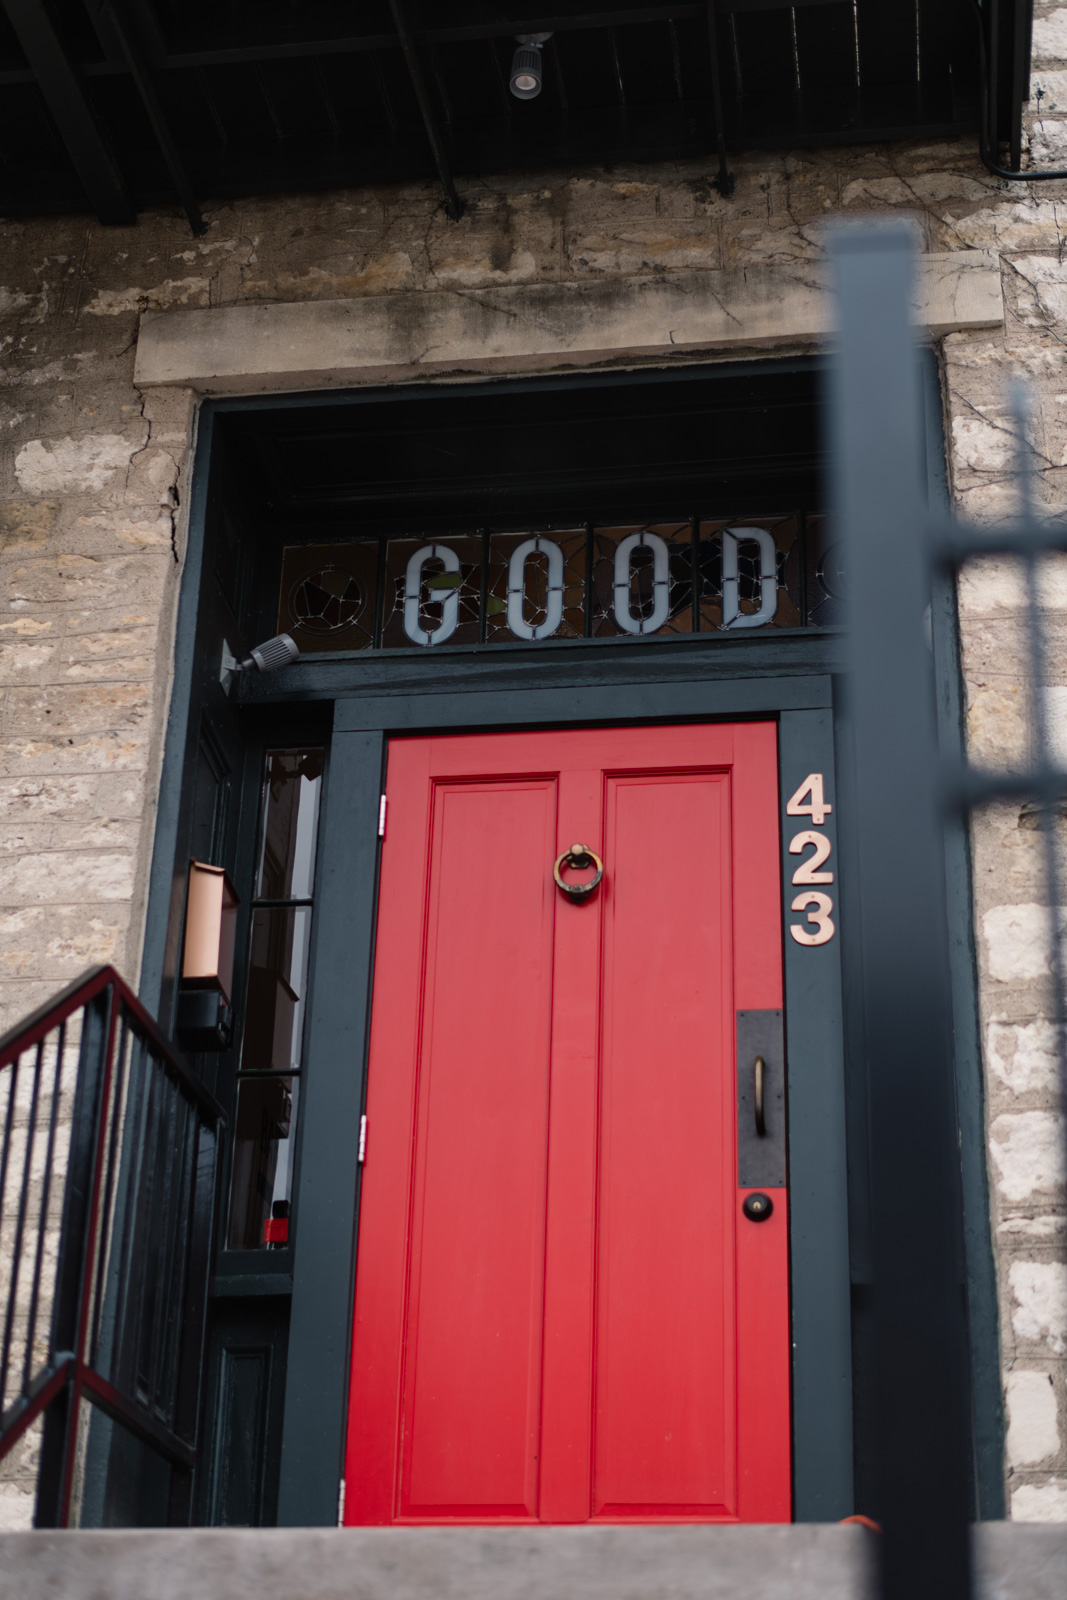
[578, 856]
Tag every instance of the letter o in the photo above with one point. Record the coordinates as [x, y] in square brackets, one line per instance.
[517, 589]
[661, 602]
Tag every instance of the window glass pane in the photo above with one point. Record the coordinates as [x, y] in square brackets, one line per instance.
[277, 982]
[264, 1138]
[290, 818]
[328, 595]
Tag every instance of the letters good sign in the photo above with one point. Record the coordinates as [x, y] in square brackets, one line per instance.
[592, 582]
[816, 904]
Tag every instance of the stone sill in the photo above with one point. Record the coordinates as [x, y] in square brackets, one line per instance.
[1015, 1561]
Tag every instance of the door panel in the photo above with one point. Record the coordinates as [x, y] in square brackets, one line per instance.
[472, 1385]
[561, 1312]
[663, 1423]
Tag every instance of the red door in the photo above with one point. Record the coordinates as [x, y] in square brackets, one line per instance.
[562, 1314]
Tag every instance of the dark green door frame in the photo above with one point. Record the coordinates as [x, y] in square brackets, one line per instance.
[784, 675]
[326, 1211]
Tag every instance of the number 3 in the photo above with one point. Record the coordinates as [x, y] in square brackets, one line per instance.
[819, 917]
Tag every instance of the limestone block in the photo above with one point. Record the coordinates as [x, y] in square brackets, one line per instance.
[997, 727]
[19, 997]
[984, 443]
[129, 301]
[37, 756]
[26, 661]
[59, 942]
[47, 798]
[1017, 940]
[121, 794]
[26, 525]
[74, 709]
[630, 250]
[78, 579]
[1027, 1149]
[1033, 1425]
[995, 584]
[1025, 225]
[127, 654]
[1044, 1228]
[1039, 1315]
[1022, 1056]
[64, 877]
[1048, 138]
[1040, 1502]
[73, 466]
[1050, 36]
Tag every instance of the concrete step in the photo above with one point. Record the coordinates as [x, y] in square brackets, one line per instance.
[1014, 1561]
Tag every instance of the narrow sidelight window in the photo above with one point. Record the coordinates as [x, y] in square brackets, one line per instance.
[268, 1084]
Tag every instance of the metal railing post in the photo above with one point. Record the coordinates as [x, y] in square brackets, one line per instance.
[922, 1431]
[60, 1421]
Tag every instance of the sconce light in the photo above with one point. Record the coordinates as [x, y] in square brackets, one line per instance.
[280, 651]
[205, 1016]
[526, 66]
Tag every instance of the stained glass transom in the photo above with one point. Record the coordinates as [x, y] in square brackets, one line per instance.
[588, 581]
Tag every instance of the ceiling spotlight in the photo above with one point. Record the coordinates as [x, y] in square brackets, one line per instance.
[526, 67]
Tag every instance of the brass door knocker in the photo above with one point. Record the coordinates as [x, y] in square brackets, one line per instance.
[578, 856]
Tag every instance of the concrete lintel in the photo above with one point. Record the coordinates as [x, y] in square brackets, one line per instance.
[802, 1561]
[275, 348]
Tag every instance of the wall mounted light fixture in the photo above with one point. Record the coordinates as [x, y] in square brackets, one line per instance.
[280, 651]
[205, 1017]
[526, 66]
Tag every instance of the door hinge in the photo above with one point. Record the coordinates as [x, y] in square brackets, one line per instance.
[341, 1504]
[362, 1156]
[381, 817]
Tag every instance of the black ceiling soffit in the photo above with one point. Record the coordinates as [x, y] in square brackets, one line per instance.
[113, 105]
[640, 445]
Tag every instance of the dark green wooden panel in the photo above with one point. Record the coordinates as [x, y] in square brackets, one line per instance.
[327, 1175]
[982, 1309]
[818, 1171]
[635, 702]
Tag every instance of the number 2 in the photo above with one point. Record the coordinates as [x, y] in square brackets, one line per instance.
[817, 808]
[819, 917]
[806, 871]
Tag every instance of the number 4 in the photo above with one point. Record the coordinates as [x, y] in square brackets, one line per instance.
[817, 808]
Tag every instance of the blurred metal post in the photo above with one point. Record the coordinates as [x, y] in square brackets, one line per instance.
[923, 1457]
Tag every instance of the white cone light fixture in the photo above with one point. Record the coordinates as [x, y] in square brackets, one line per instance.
[527, 68]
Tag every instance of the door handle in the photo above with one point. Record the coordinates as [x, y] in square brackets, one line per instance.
[758, 1071]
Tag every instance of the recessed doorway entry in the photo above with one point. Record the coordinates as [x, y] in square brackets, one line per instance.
[572, 1292]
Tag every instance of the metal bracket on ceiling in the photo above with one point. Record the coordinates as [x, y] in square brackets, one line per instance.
[453, 203]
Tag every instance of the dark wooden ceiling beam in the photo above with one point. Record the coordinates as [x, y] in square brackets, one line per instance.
[453, 202]
[70, 110]
[161, 59]
[111, 18]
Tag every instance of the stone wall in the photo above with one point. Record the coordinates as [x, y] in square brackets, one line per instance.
[93, 493]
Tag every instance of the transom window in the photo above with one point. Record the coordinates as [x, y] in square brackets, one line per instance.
[589, 581]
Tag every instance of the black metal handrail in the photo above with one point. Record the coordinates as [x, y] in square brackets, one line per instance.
[109, 1155]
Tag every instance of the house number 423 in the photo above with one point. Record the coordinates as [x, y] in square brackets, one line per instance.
[818, 927]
